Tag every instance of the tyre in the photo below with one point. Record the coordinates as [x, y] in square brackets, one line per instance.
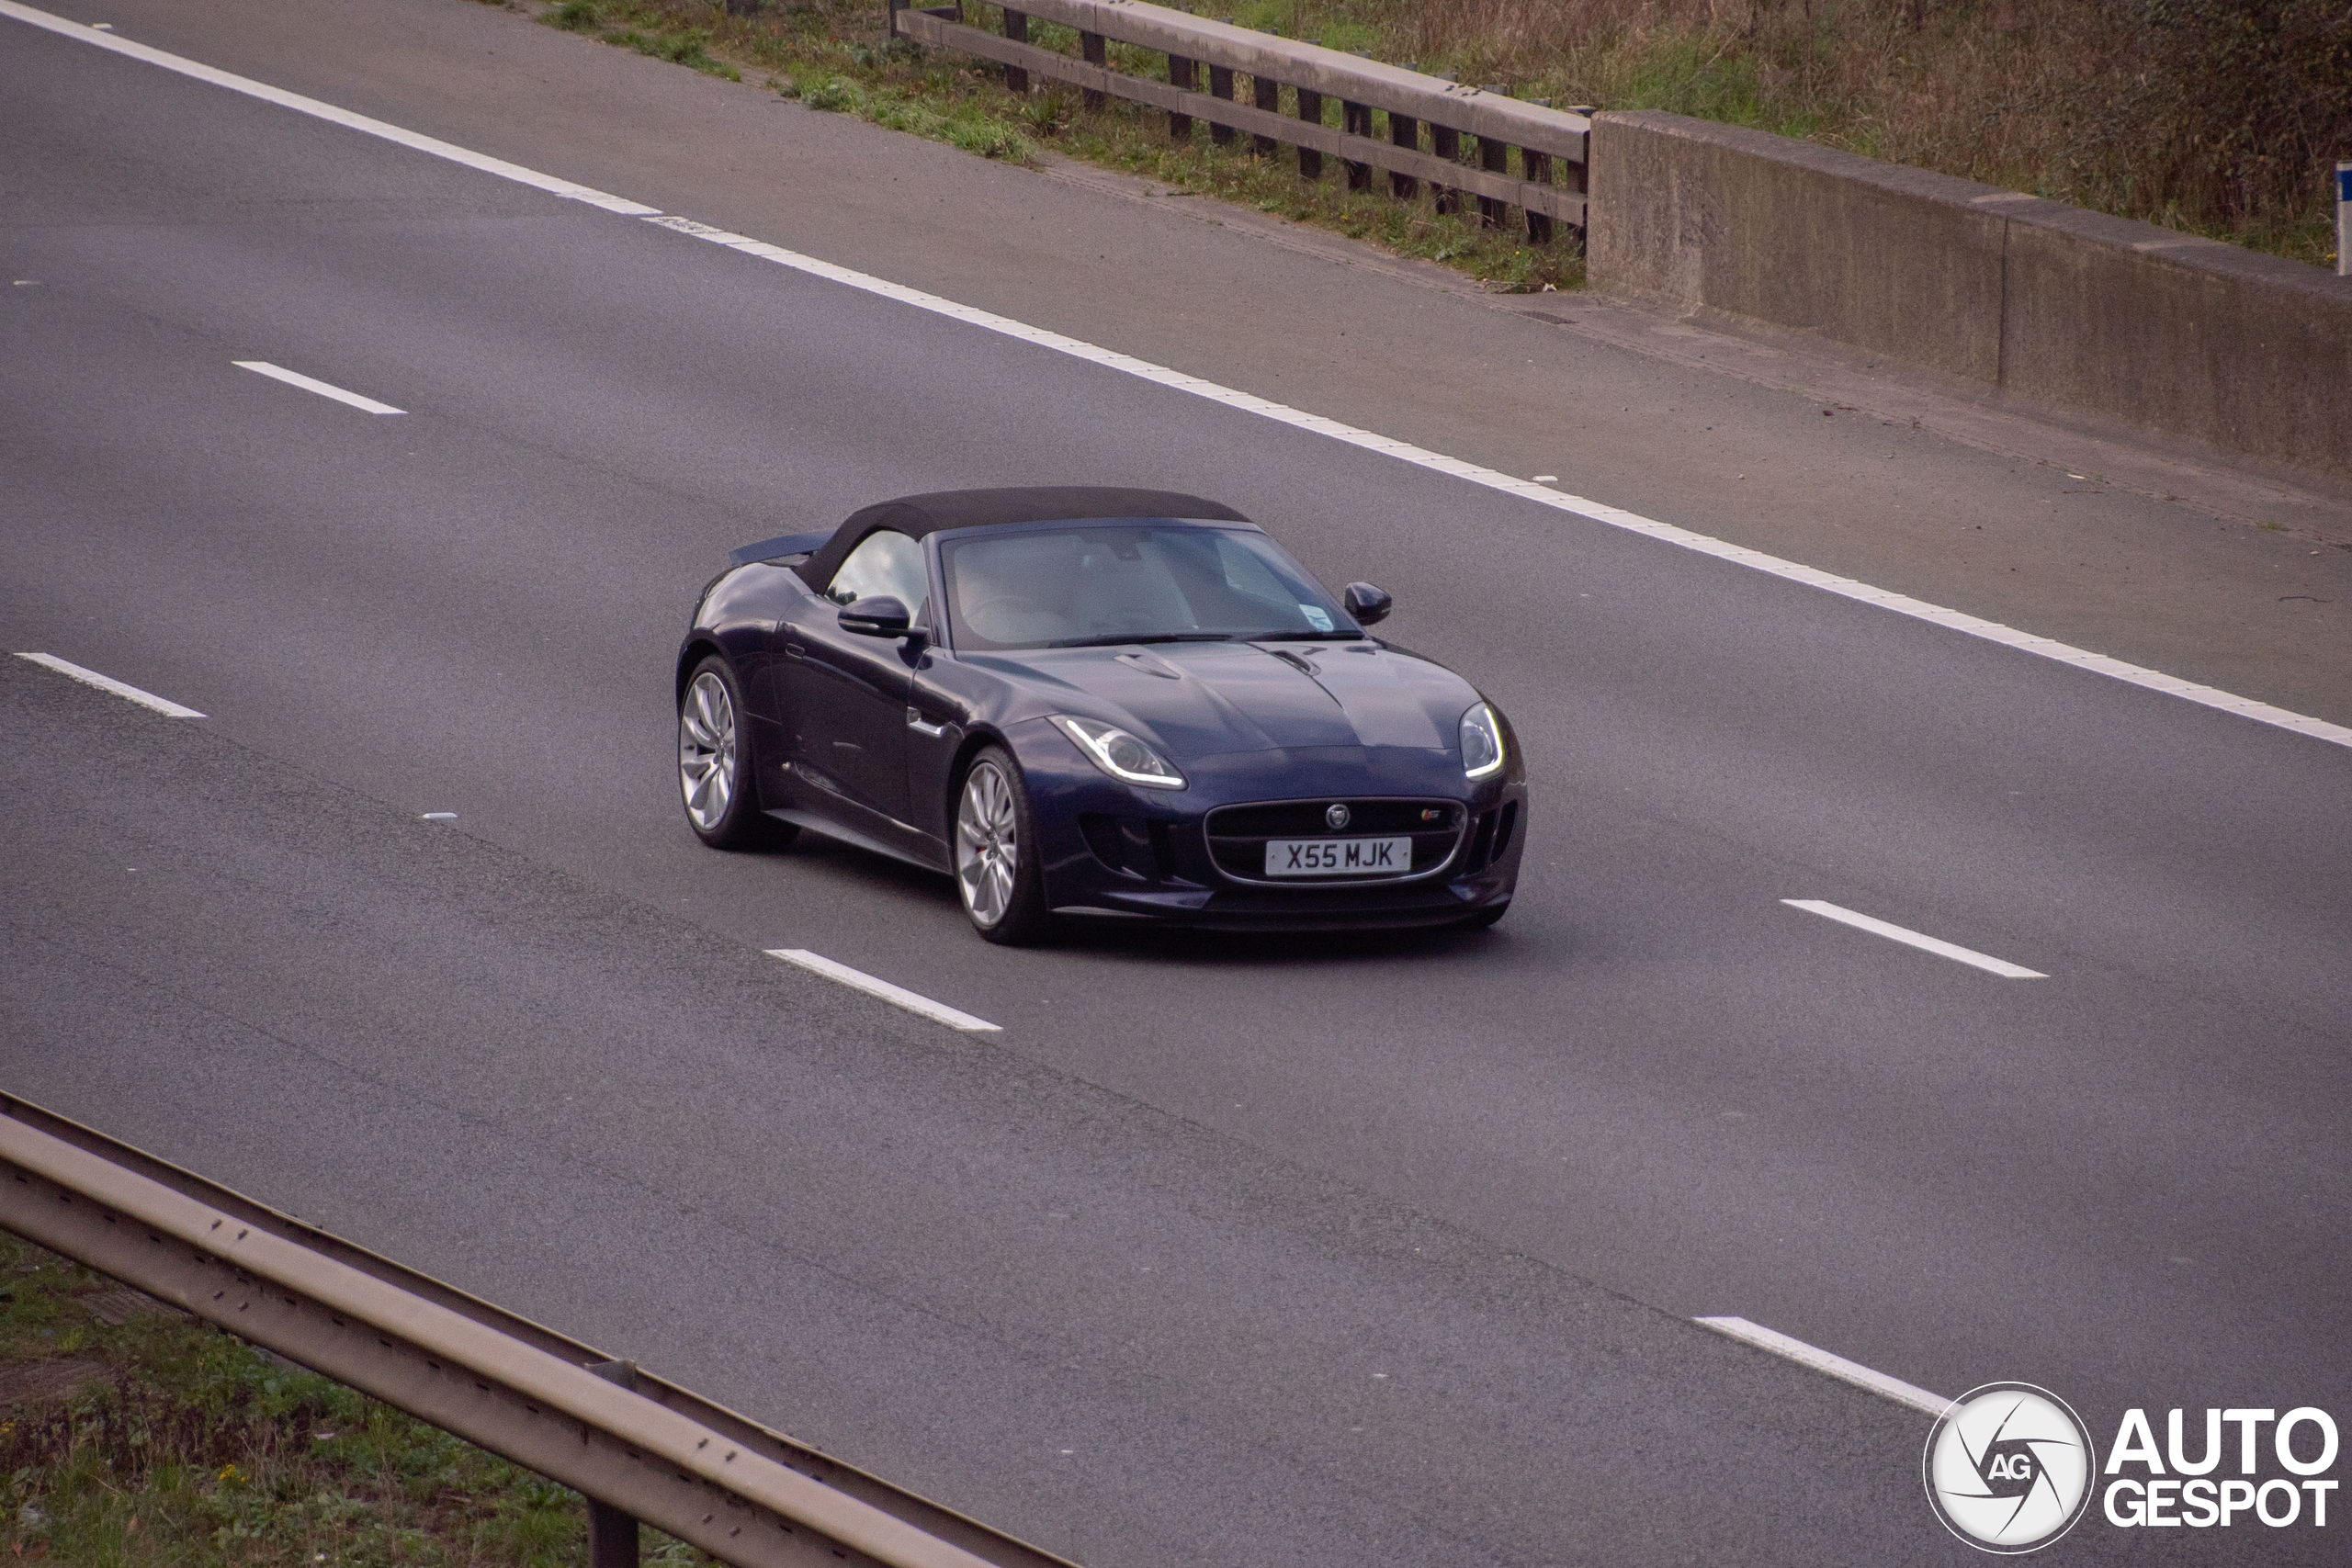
[997, 874]
[716, 766]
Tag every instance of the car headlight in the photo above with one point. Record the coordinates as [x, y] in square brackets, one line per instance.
[1120, 754]
[1482, 742]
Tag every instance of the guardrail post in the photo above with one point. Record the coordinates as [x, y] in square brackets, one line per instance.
[1268, 96]
[1446, 142]
[611, 1534]
[1495, 158]
[612, 1537]
[1016, 27]
[1310, 109]
[1221, 87]
[1090, 46]
[1356, 120]
[1403, 130]
[1181, 72]
[1539, 173]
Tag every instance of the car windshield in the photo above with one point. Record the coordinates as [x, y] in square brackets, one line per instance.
[1092, 583]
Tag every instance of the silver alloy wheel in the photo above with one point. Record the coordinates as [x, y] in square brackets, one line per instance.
[987, 843]
[706, 750]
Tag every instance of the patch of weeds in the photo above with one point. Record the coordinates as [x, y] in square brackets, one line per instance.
[836, 55]
[649, 29]
[159, 1441]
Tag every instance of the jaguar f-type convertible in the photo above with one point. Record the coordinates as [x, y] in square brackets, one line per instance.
[1110, 704]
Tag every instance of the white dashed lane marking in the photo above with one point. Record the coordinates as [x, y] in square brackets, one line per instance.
[1821, 1360]
[897, 996]
[1372, 441]
[1937, 946]
[163, 705]
[310, 384]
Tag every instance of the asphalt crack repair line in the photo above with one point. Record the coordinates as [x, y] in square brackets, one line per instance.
[1937, 946]
[308, 384]
[163, 705]
[1490, 479]
[897, 996]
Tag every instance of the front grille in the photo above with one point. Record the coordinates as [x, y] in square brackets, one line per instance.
[1237, 834]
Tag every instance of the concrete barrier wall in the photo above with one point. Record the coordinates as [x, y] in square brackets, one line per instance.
[2071, 310]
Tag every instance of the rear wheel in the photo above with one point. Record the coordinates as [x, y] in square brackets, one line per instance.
[717, 769]
[997, 874]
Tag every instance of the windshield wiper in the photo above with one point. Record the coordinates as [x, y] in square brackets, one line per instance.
[1145, 637]
[1303, 636]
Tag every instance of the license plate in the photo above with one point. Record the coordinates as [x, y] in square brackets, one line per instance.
[1338, 857]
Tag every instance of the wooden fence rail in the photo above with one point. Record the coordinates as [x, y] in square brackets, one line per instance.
[1503, 150]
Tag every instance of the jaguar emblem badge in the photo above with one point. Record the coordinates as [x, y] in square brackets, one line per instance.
[1336, 814]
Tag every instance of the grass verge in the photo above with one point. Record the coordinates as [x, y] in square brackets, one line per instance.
[2218, 118]
[134, 1436]
[836, 55]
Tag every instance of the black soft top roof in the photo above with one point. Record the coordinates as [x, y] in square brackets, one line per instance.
[917, 515]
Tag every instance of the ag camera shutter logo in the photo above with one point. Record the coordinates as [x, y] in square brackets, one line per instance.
[2008, 1468]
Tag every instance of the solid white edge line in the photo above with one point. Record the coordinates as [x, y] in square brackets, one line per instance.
[1821, 1360]
[311, 384]
[313, 107]
[1937, 946]
[897, 996]
[163, 705]
[1526, 490]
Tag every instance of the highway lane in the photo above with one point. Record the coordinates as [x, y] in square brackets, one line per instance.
[1653, 1075]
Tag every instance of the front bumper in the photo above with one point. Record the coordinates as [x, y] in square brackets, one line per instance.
[1110, 850]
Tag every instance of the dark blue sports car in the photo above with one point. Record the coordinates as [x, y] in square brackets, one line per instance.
[1114, 704]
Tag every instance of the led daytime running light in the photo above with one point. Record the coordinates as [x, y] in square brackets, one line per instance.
[1119, 755]
[1482, 743]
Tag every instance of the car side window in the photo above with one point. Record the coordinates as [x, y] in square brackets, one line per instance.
[884, 561]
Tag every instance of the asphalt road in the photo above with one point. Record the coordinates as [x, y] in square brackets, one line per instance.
[1268, 1252]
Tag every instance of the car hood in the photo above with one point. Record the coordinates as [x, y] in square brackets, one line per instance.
[1204, 700]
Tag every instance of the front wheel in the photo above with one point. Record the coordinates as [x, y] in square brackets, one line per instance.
[996, 852]
[717, 767]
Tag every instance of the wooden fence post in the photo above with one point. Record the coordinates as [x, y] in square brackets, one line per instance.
[1268, 94]
[1221, 87]
[1016, 27]
[1539, 173]
[1356, 120]
[1446, 142]
[1310, 109]
[1403, 130]
[1495, 158]
[1090, 45]
[1183, 74]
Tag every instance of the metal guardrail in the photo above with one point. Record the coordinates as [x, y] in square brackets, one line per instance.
[1462, 122]
[637, 1447]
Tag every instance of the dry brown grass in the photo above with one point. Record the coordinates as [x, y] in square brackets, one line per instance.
[2218, 117]
[2222, 117]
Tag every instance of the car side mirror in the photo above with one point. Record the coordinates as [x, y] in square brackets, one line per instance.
[1366, 604]
[878, 614]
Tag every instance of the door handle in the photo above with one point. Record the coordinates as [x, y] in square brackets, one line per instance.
[915, 722]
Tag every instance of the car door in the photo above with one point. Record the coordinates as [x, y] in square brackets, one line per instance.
[843, 695]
